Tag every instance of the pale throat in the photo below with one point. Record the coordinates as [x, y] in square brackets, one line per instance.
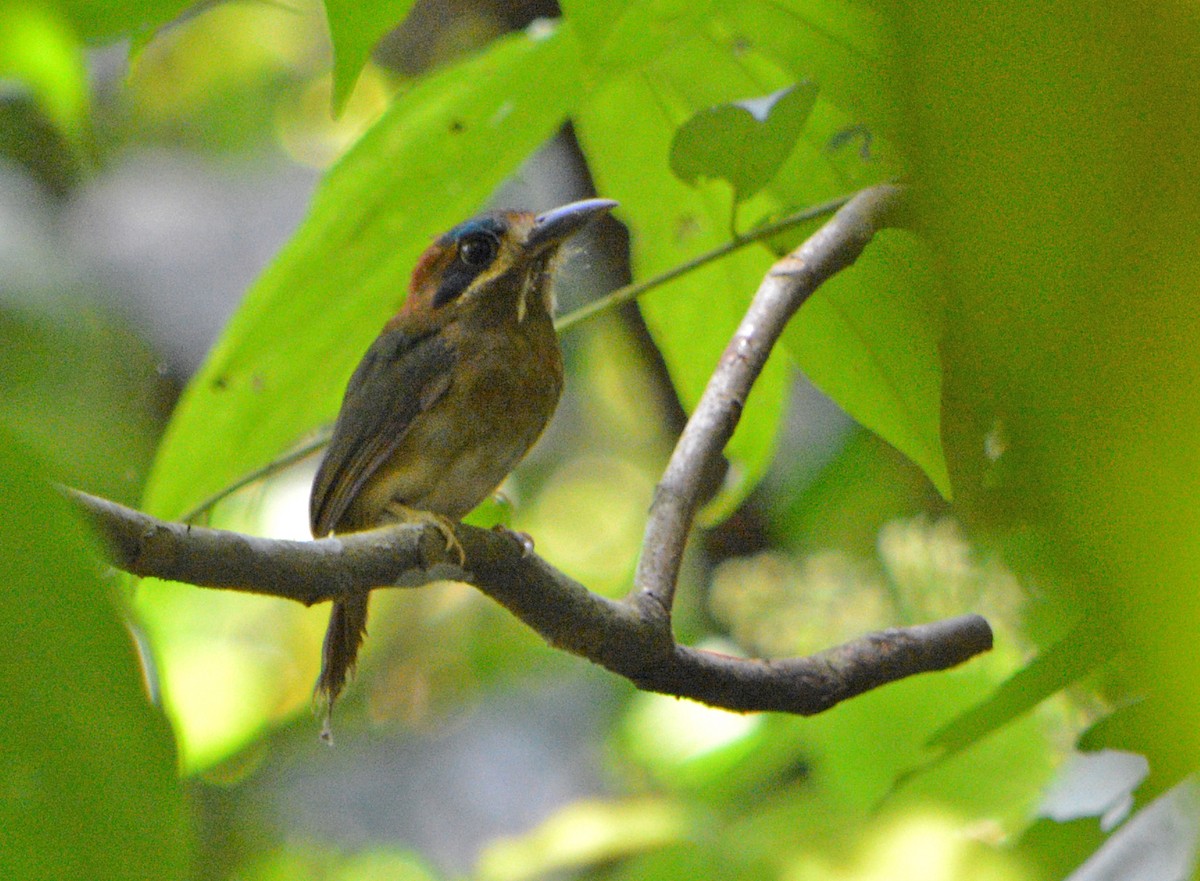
[536, 283]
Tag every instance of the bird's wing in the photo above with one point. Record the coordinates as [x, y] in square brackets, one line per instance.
[400, 376]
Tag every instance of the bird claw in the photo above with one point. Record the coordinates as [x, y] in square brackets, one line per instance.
[524, 539]
[404, 514]
[452, 543]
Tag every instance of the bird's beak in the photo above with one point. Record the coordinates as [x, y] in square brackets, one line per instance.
[558, 224]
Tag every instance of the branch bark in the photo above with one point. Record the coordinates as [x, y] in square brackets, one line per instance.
[618, 635]
[631, 637]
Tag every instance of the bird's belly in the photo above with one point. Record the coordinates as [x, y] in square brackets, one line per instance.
[447, 464]
[467, 479]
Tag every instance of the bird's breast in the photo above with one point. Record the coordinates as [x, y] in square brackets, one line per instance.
[503, 390]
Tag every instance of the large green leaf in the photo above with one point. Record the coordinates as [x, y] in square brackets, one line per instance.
[87, 765]
[280, 367]
[869, 340]
[627, 138]
[680, 64]
[354, 29]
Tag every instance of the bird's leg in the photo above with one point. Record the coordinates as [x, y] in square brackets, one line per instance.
[395, 512]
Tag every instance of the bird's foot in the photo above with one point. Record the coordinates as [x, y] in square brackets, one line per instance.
[524, 539]
[446, 528]
[403, 514]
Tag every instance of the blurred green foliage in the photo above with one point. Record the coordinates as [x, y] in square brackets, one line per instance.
[87, 765]
[354, 29]
[1031, 350]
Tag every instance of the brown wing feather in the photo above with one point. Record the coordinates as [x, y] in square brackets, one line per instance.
[400, 375]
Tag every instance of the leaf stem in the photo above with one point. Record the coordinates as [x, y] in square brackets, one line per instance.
[288, 459]
[636, 289]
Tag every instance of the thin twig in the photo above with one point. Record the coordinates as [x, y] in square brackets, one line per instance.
[787, 286]
[636, 289]
[288, 459]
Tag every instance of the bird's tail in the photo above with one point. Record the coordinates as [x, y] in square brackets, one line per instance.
[347, 627]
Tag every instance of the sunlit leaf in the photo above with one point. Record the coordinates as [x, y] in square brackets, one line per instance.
[38, 49]
[626, 127]
[627, 138]
[355, 28]
[281, 365]
[624, 34]
[310, 861]
[869, 340]
[840, 46]
[695, 746]
[744, 143]
[87, 765]
[583, 834]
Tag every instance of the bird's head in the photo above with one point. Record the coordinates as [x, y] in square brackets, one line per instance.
[498, 264]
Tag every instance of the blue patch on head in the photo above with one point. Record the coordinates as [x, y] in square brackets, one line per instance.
[488, 224]
[476, 243]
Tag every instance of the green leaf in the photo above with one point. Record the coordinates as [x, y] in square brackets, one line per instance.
[674, 64]
[87, 765]
[840, 46]
[624, 34]
[39, 49]
[354, 29]
[869, 340]
[581, 835]
[627, 140]
[1076, 655]
[1054, 850]
[745, 143]
[104, 22]
[281, 366]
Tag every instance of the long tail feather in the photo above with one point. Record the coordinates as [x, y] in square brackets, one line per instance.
[347, 627]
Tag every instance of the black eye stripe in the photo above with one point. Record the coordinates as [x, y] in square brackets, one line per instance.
[475, 251]
[475, 244]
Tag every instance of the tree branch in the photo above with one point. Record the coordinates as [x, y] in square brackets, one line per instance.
[786, 287]
[618, 635]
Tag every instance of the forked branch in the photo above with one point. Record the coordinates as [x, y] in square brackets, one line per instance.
[786, 287]
[620, 636]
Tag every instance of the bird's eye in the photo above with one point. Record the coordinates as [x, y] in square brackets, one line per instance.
[477, 250]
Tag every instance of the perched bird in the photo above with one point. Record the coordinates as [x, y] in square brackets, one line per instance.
[449, 397]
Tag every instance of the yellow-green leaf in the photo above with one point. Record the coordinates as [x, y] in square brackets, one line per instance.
[869, 340]
[354, 29]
